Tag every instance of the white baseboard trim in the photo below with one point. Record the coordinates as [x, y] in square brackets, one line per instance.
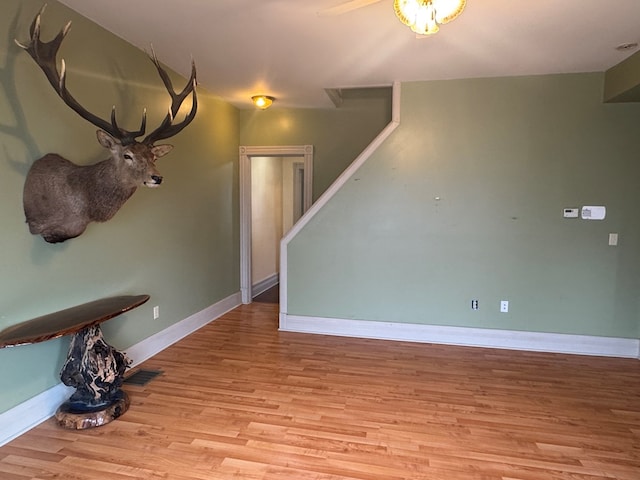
[265, 284]
[464, 336]
[32, 413]
[28, 414]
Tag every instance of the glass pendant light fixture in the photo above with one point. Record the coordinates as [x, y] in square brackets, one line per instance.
[424, 16]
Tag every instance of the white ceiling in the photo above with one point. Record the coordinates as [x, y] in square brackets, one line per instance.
[285, 49]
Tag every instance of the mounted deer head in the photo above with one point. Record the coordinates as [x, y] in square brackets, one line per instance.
[61, 198]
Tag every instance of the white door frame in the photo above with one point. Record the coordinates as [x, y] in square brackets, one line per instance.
[246, 153]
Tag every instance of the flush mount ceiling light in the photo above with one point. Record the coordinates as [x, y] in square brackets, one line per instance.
[262, 101]
[423, 16]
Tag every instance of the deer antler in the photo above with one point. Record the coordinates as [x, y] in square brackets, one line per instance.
[167, 128]
[44, 54]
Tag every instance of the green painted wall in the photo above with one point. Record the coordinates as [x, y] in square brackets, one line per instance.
[338, 134]
[178, 243]
[622, 81]
[464, 201]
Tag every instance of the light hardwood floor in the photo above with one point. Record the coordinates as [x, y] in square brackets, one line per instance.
[240, 400]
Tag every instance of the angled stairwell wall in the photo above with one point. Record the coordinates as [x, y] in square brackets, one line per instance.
[463, 200]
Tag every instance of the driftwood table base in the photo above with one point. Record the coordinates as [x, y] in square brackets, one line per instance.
[68, 418]
[96, 370]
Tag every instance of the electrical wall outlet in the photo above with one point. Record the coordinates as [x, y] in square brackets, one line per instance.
[156, 312]
[474, 305]
[504, 306]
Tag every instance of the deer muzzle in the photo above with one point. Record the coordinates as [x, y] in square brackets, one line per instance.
[156, 180]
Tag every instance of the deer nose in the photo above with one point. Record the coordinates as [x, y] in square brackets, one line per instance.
[157, 179]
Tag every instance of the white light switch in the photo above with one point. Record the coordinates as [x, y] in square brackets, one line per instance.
[613, 239]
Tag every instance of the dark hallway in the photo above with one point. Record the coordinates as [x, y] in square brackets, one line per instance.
[271, 295]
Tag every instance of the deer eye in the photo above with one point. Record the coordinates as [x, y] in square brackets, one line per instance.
[128, 156]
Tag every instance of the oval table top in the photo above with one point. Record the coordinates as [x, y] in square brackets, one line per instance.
[70, 320]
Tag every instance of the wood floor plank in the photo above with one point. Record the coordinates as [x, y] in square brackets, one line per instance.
[240, 400]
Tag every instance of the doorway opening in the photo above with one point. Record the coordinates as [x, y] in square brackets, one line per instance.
[296, 163]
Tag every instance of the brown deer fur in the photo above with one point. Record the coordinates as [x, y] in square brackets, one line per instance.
[61, 198]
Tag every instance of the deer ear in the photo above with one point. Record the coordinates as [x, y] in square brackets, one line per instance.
[161, 150]
[106, 140]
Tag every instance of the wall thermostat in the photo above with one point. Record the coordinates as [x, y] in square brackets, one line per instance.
[593, 213]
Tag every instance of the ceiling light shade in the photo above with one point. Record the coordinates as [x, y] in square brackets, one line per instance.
[262, 101]
[423, 16]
